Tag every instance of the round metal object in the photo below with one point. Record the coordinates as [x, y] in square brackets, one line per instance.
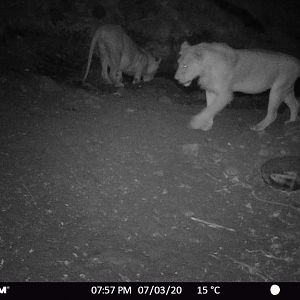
[282, 172]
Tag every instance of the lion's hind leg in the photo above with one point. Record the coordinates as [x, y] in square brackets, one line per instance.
[274, 102]
[104, 62]
[104, 71]
[293, 105]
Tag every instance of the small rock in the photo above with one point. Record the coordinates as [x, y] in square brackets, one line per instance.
[283, 152]
[275, 214]
[231, 170]
[65, 277]
[249, 205]
[117, 93]
[188, 213]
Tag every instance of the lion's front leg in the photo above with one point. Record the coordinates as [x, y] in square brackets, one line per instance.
[116, 73]
[210, 97]
[137, 78]
[117, 78]
[201, 121]
[215, 103]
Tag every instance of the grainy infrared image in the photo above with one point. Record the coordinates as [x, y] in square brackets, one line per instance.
[150, 141]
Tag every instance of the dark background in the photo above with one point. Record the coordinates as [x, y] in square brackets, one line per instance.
[52, 37]
[103, 184]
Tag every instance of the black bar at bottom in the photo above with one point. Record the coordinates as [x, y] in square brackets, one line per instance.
[204, 290]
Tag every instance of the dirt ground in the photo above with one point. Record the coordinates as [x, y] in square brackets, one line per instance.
[112, 185]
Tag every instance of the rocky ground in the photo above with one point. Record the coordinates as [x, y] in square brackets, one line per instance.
[111, 185]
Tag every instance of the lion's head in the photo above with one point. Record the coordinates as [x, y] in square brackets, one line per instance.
[152, 67]
[188, 64]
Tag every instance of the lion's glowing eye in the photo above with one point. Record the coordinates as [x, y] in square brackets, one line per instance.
[185, 66]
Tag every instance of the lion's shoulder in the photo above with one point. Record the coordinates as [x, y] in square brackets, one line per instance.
[217, 53]
[116, 40]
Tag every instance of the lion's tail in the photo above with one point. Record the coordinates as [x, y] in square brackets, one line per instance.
[92, 47]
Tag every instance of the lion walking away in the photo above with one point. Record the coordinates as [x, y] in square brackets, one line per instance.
[222, 70]
[120, 54]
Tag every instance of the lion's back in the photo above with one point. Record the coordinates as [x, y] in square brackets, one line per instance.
[262, 67]
[117, 42]
[251, 69]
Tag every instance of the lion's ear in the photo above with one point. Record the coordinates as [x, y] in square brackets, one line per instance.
[184, 46]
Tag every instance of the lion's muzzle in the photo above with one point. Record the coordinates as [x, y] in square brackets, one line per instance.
[182, 80]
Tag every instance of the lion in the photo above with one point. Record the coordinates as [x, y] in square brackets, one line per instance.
[222, 70]
[119, 54]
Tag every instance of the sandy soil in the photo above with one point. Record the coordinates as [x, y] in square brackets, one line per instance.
[113, 186]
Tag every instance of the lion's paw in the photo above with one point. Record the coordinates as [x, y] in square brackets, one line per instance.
[201, 123]
[257, 127]
[292, 121]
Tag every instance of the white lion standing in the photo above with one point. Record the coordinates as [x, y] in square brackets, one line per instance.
[222, 70]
